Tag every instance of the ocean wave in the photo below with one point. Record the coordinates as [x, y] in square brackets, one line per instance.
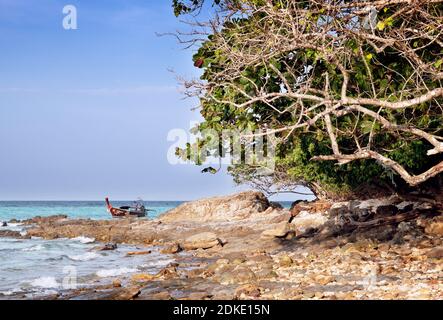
[45, 282]
[84, 240]
[84, 257]
[114, 272]
[12, 224]
[8, 293]
[34, 248]
[19, 227]
[59, 258]
[157, 263]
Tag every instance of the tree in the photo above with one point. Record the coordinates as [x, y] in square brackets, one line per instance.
[352, 90]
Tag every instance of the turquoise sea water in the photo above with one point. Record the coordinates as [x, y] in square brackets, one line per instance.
[34, 267]
[74, 209]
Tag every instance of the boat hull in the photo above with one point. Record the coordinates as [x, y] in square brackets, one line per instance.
[122, 213]
[119, 213]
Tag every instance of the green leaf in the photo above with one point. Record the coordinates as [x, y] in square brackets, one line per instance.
[381, 25]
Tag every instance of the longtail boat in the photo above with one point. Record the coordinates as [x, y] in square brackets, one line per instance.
[137, 210]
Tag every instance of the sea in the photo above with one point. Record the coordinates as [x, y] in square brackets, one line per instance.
[34, 268]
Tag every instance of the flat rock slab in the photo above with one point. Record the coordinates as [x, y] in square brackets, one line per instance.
[203, 240]
[277, 231]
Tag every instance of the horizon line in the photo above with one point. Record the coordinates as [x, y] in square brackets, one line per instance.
[118, 200]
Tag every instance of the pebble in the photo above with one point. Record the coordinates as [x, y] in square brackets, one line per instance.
[138, 253]
[285, 261]
[117, 283]
[171, 249]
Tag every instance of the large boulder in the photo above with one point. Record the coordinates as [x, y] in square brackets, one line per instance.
[228, 208]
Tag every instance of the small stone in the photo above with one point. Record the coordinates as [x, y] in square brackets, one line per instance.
[283, 217]
[424, 244]
[143, 277]
[422, 294]
[222, 261]
[195, 273]
[124, 294]
[323, 280]
[436, 253]
[4, 224]
[198, 296]
[238, 261]
[435, 228]
[108, 247]
[386, 210]
[266, 274]
[290, 235]
[10, 234]
[308, 295]
[285, 261]
[138, 253]
[240, 275]
[164, 295]
[117, 283]
[170, 272]
[250, 290]
[330, 244]
[172, 249]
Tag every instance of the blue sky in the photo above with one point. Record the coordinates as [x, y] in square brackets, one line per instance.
[85, 113]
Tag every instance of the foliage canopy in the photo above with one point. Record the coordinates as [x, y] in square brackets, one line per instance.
[352, 89]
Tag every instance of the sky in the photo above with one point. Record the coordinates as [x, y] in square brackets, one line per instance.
[85, 113]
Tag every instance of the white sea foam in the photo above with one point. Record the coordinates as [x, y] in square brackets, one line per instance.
[14, 225]
[114, 272]
[84, 257]
[50, 292]
[34, 248]
[84, 240]
[45, 282]
[158, 263]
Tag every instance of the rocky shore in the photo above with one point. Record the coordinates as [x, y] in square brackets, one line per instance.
[245, 247]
